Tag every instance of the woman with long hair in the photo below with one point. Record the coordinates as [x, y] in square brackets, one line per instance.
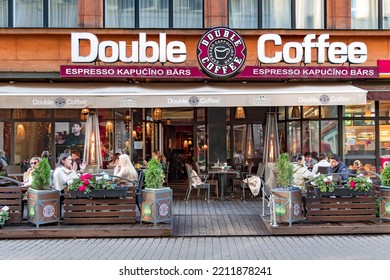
[125, 169]
[63, 172]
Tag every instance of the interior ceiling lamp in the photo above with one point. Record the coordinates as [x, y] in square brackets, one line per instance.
[157, 114]
[84, 111]
[127, 116]
[240, 113]
[295, 112]
[169, 122]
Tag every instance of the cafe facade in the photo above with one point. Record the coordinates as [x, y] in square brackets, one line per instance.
[200, 94]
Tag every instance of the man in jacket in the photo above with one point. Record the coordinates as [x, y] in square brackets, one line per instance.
[337, 166]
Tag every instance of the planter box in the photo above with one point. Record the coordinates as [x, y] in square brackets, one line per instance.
[156, 205]
[384, 203]
[339, 192]
[96, 193]
[11, 196]
[287, 204]
[43, 207]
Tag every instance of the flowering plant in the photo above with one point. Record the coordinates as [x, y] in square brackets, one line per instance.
[324, 183]
[359, 183]
[86, 182]
[4, 214]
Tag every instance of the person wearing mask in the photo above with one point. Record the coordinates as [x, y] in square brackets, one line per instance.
[337, 166]
[63, 172]
[323, 163]
[125, 169]
[27, 176]
[301, 173]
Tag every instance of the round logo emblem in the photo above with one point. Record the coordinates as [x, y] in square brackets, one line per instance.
[48, 211]
[280, 209]
[221, 52]
[194, 100]
[324, 99]
[60, 102]
[297, 209]
[163, 210]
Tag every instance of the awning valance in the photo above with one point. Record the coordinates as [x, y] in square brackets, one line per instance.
[149, 95]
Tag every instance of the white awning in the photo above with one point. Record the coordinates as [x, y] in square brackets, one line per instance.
[150, 95]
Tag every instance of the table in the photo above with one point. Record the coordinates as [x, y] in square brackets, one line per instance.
[222, 174]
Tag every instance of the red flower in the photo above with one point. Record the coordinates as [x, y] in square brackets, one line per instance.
[85, 176]
[82, 188]
[352, 184]
[86, 182]
[327, 182]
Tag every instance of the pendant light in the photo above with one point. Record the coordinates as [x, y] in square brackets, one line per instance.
[240, 113]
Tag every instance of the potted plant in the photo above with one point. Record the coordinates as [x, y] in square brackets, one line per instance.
[156, 199]
[43, 203]
[287, 198]
[4, 215]
[323, 185]
[384, 212]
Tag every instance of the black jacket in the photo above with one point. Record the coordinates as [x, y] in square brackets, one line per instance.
[340, 168]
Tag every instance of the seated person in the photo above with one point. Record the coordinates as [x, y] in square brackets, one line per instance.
[301, 173]
[309, 160]
[76, 160]
[27, 176]
[125, 169]
[64, 172]
[114, 162]
[337, 166]
[323, 162]
[161, 158]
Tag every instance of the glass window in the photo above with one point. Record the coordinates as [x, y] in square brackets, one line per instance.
[5, 113]
[63, 13]
[120, 14]
[282, 113]
[293, 138]
[311, 112]
[67, 114]
[294, 112]
[154, 14]
[386, 14]
[310, 14]
[329, 137]
[5, 139]
[359, 147]
[282, 137]
[30, 113]
[310, 137]
[28, 13]
[328, 111]
[187, 13]
[3, 13]
[364, 14]
[243, 13]
[384, 108]
[384, 143]
[69, 135]
[276, 14]
[239, 135]
[360, 111]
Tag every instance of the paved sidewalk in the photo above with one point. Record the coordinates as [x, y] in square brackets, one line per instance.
[345, 247]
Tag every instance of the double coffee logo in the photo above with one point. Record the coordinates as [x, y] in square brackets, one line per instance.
[221, 52]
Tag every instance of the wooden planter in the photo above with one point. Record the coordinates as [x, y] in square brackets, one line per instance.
[97, 193]
[287, 205]
[43, 206]
[339, 192]
[156, 205]
[384, 203]
[11, 196]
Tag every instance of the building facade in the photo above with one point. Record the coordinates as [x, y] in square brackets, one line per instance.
[195, 79]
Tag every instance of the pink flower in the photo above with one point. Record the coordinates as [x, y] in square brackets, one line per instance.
[86, 182]
[85, 176]
[352, 184]
[327, 182]
[82, 188]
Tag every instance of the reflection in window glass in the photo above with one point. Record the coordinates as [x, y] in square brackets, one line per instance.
[364, 14]
[282, 137]
[282, 113]
[243, 13]
[360, 111]
[154, 14]
[310, 14]
[187, 14]
[386, 14]
[384, 143]
[294, 112]
[119, 14]
[310, 137]
[293, 138]
[359, 147]
[328, 111]
[276, 14]
[329, 136]
[310, 112]
[28, 13]
[384, 108]
[202, 147]
[4, 13]
[258, 142]
[63, 13]
[239, 135]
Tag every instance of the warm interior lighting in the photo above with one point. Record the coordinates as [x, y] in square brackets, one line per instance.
[295, 112]
[109, 127]
[189, 142]
[134, 134]
[85, 111]
[93, 148]
[127, 116]
[271, 138]
[20, 132]
[157, 114]
[240, 113]
[169, 122]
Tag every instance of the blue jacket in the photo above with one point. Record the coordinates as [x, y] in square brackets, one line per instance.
[340, 168]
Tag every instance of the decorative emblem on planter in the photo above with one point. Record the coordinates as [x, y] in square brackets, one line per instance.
[148, 210]
[48, 211]
[297, 209]
[280, 209]
[32, 211]
[163, 210]
[387, 208]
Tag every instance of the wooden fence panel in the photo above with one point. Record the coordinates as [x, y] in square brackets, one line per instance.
[11, 196]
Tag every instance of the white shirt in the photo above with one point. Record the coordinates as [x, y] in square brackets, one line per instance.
[322, 162]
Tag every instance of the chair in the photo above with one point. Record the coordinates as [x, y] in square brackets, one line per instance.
[196, 181]
[14, 171]
[140, 185]
[259, 173]
[239, 180]
[166, 174]
[212, 182]
[323, 169]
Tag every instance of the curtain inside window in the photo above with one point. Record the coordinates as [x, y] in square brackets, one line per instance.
[276, 14]
[63, 13]
[364, 14]
[386, 14]
[3, 13]
[28, 13]
[120, 14]
[154, 14]
[243, 13]
[187, 13]
[310, 14]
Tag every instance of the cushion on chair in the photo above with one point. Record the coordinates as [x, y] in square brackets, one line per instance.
[195, 179]
[253, 184]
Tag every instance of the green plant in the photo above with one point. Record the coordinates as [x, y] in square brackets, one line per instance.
[41, 176]
[86, 182]
[4, 215]
[284, 171]
[359, 183]
[385, 176]
[324, 183]
[154, 175]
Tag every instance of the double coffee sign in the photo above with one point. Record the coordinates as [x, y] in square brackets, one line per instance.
[221, 53]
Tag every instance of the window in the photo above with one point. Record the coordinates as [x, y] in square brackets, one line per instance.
[38, 13]
[153, 14]
[255, 14]
[370, 14]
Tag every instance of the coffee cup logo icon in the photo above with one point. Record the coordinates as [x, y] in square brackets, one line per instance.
[221, 52]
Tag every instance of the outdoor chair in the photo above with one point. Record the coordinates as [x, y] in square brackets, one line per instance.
[196, 182]
[212, 181]
[238, 181]
[140, 185]
[244, 185]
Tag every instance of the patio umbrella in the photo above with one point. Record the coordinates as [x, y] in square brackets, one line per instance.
[92, 148]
